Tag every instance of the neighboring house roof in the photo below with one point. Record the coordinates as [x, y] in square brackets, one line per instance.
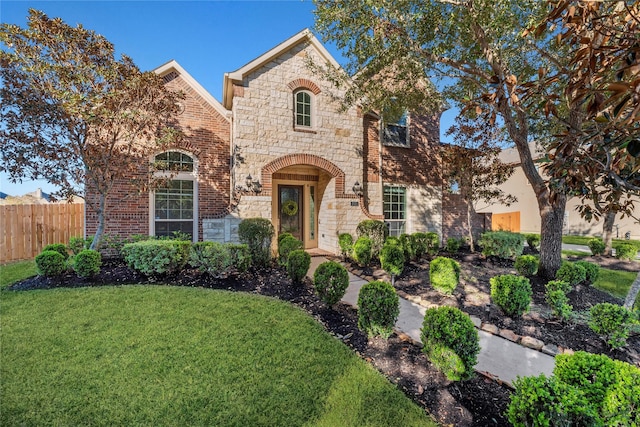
[173, 65]
[3, 195]
[236, 77]
[512, 156]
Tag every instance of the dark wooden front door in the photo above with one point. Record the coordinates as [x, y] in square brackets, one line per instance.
[290, 210]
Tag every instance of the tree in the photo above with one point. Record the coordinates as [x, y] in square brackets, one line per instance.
[473, 162]
[478, 53]
[75, 115]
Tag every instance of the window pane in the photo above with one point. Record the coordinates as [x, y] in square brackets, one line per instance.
[394, 206]
[174, 207]
[174, 161]
[303, 109]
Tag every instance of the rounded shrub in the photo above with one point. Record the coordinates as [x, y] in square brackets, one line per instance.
[612, 322]
[77, 244]
[533, 240]
[392, 259]
[420, 244]
[50, 263]
[433, 242]
[527, 265]
[378, 309]
[626, 251]
[376, 231]
[240, 256]
[453, 245]
[298, 263]
[592, 270]
[502, 244]
[287, 245]
[511, 293]
[362, 251]
[282, 236]
[444, 274]
[596, 246]
[407, 244]
[212, 258]
[157, 257]
[559, 285]
[345, 240]
[61, 248]
[331, 281]
[558, 302]
[571, 272]
[257, 234]
[450, 341]
[87, 263]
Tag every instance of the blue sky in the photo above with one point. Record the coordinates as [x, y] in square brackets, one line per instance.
[207, 38]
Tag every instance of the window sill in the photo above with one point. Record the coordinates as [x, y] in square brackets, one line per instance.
[396, 144]
[304, 130]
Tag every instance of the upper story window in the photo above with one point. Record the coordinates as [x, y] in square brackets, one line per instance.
[303, 109]
[174, 161]
[396, 132]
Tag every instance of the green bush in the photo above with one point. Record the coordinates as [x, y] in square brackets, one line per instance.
[585, 390]
[87, 263]
[298, 263]
[453, 245]
[392, 259]
[558, 301]
[511, 293]
[77, 244]
[61, 248]
[420, 244]
[287, 245]
[212, 258]
[331, 281]
[450, 342]
[626, 251]
[444, 274]
[240, 256]
[596, 245]
[612, 322]
[559, 285]
[542, 401]
[533, 240]
[282, 236]
[571, 272]
[592, 270]
[527, 265]
[407, 244]
[378, 309]
[50, 263]
[257, 234]
[376, 231]
[433, 241]
[502, 244]
[362, 251]
[345, 240]
[157, 257]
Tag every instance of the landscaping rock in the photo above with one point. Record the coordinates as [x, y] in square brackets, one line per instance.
[550, 349]
[510, 335]
[488, 327]
[532, 343]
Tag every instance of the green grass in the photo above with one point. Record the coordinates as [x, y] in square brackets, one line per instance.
[12, 272]
[154, 355]
[584, 240]
[615, 282]
[577, 254]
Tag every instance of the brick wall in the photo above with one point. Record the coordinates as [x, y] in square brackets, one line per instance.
[207, 139]
[454, 218]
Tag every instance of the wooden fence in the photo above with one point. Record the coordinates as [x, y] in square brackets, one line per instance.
[26, 229]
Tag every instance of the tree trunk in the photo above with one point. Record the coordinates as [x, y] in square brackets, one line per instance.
[633, 293]
[101, 222]
[469, 212]
[607, 231]
[551, 227]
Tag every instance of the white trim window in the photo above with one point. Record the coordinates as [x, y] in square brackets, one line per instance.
[303, 105]
[395, 209]
[396, 132]
[174, 207]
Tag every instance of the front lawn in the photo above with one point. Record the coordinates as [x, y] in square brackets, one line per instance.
[584, 240]
[154, 355]
[15, 271]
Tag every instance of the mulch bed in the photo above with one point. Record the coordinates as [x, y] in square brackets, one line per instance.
[476, 402]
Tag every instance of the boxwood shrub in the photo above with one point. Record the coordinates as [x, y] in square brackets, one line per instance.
[592, 270]
[392, 258]
[571, 272]
[157, 257]
[433, 241]
[533, 240]
[407, 244]
[376, 231]
[330, 281]
[611, 321]
[626, 251]
[298, 263]
[453, 245]
[212, 258]
[450, 341]
[511, 293]
[444, 274]
[527, 265]
[502, 244]
[87, 263]
[61, 248]
[240, 256]
[362, 251]
[378, 309]
[596, 246]
[420, 244]
[345, 241]
[558, 301]
[286, 245]
[257, 234]
[50, 263]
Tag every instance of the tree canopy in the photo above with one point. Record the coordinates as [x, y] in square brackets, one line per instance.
[73, 114]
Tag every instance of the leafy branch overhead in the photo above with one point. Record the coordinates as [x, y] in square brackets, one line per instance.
[75, 115]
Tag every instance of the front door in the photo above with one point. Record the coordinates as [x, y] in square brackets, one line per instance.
[290, 210]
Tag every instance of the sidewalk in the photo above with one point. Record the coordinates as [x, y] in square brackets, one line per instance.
[498, 357]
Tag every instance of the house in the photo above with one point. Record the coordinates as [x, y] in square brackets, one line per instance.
[278, 146]
[524, 215]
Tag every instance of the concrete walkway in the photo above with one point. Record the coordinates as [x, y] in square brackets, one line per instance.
[498, 357]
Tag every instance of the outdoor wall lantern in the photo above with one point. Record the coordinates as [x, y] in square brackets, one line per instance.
[252, 185]
[357, 189]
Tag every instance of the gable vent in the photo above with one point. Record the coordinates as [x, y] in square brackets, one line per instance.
[171, 76]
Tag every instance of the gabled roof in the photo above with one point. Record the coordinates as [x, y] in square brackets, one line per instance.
[172, 65]
[238, 76]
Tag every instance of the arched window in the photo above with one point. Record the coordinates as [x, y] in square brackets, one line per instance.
[303, 109]
[174, 202]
